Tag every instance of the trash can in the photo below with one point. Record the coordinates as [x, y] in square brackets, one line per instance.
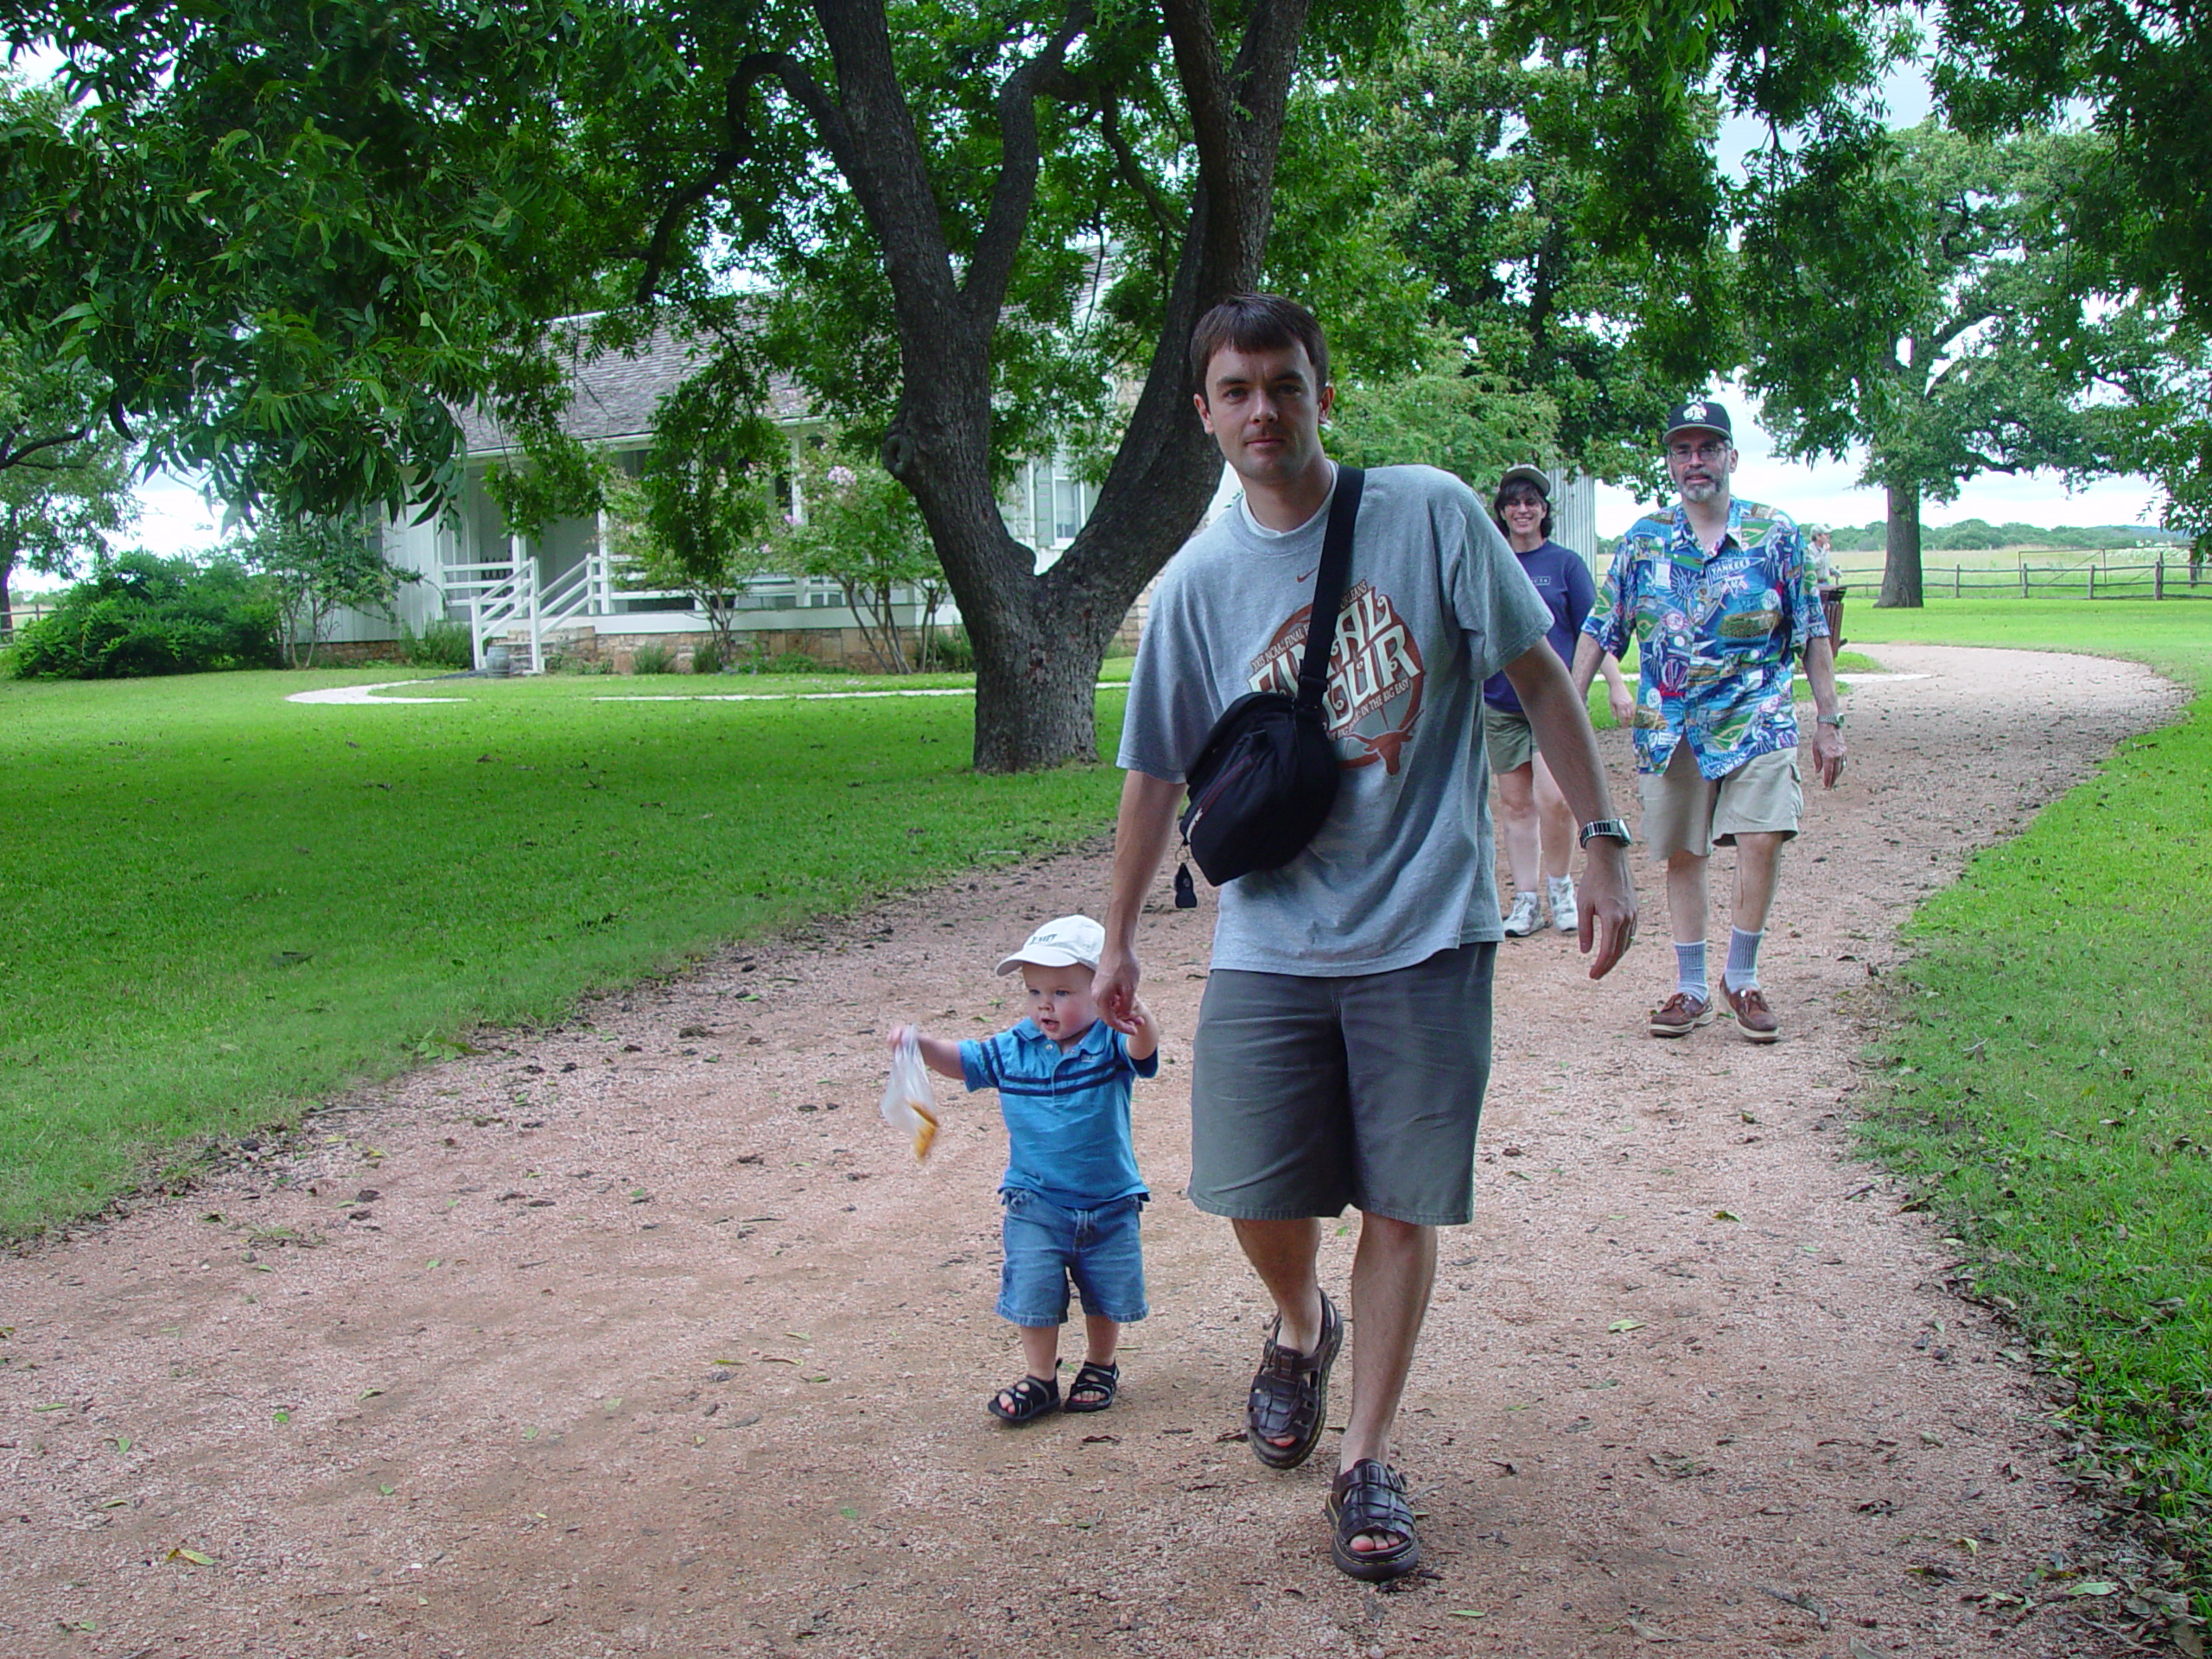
[497, 661]
[1832, 608]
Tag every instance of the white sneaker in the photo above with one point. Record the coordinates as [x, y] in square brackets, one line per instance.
[1564, 916]
[1522, 920]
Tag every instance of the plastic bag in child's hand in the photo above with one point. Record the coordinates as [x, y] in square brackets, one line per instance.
[909, 1103]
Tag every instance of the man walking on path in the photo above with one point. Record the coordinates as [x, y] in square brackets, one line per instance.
[1718, 597]
[1344, 1042]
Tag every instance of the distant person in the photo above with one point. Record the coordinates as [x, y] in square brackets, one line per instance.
[1343, 1046]
[1718, 596]
[1071, 1192]
[1821, 556]
[1535, 821]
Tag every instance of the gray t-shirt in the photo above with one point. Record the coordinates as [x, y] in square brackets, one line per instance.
[1436, 603]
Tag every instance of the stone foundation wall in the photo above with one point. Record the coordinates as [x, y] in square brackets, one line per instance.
[353, 653]
[836, 647]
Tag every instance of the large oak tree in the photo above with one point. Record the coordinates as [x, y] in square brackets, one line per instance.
[297, 234]
[1930, 304]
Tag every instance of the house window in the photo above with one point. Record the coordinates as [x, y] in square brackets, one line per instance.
[1071, 504]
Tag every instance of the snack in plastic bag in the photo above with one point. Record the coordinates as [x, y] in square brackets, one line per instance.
[909, 1103]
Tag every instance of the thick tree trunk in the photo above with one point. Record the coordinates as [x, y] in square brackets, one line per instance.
[1901, 564]
[1039, 639]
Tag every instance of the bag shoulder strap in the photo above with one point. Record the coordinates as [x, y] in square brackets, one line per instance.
[1329, 584]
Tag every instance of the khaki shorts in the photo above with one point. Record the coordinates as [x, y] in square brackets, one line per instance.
[1308, 1094]
[1508, 738]
[1685, 812]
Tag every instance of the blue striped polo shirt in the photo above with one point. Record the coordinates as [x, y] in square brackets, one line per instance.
[1066, 1111]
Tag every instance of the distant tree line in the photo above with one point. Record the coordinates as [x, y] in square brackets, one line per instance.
[1977, 535]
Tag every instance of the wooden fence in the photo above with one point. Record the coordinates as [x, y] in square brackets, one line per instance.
[2156, 578]
[21, 615]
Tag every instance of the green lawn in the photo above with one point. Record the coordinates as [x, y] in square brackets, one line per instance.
[220, 903]
[2052, 1075]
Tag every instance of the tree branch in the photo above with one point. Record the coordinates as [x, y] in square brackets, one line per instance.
[737, 101]
[1237, 128]
[1125, 162]
[1205, 91]
[12, 455]
[992, 266]
[1098, 97]
[870, 132]
[1941, 342]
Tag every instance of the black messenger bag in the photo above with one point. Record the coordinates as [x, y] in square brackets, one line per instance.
[1265, 776]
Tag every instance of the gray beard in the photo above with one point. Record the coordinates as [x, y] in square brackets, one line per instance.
[1702, 493]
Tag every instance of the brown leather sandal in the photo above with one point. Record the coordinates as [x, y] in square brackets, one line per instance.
[1370, 1498]
[1290, 1394]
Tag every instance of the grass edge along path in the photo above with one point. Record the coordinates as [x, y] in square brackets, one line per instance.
[2047, 1079]
[222, 908]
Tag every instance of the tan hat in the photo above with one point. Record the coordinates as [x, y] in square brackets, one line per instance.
[1066, 942]
[1534, 477]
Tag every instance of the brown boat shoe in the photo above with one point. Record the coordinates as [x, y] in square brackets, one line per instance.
[1753, 1018]
[1680, 1015]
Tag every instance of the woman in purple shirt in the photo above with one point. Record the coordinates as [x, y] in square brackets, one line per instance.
[1534, 819]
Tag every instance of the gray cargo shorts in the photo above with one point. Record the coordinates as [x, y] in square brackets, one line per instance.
[1309, 1094]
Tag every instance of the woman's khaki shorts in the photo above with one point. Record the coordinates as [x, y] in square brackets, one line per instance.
[1685, 812]
[1508, 738]
[1310, 1094]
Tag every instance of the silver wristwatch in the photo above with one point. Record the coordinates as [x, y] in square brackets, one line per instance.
[1614, 830]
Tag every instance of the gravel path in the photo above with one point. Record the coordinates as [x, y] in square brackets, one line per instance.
[645, 1336]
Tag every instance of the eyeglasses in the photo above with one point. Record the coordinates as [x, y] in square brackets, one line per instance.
[1713, 449]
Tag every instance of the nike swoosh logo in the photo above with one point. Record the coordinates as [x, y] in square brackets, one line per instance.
[1310, 574]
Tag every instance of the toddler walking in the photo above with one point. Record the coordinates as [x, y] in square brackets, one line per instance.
[1071, 1191]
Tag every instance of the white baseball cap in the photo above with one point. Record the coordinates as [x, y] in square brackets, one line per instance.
[1067, 942]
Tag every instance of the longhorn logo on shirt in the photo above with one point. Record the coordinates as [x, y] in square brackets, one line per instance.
[1372, 699]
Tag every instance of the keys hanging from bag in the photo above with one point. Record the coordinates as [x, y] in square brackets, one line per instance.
[1266, 774]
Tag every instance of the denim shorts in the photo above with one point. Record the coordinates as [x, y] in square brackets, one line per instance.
[1046, 1246]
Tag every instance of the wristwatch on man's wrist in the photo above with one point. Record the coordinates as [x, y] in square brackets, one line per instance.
[1834, 720]
[1615, 829]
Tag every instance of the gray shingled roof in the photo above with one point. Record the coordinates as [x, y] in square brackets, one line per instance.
[616, 395]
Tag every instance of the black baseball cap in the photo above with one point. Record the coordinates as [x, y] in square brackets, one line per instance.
[1699, 415]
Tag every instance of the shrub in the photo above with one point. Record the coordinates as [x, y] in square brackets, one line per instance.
[443, 643]
[747, 656]
[141, 615]
[652, 659]
[707, 659]
[951, 651]
[797, 662]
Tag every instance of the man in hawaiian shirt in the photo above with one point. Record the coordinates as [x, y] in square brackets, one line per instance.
[1718, 597]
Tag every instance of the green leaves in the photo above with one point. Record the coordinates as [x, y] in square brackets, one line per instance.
[1520, 253]
[256, 302]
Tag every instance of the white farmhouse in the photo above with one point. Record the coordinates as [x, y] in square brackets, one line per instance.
[559, 592]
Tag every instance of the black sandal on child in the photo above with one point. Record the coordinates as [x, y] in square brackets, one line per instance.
[1368, 1497]
[1290, 1395]
[1094, 1388]
[1028, 1399]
